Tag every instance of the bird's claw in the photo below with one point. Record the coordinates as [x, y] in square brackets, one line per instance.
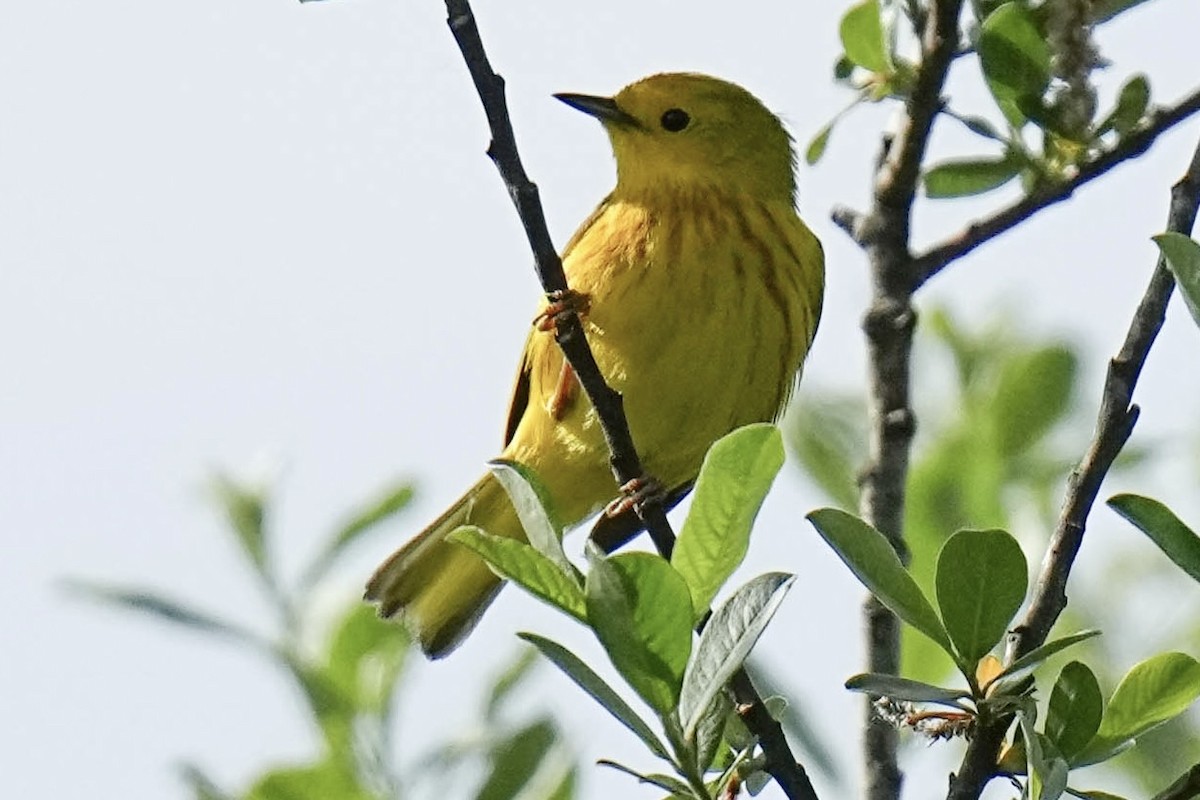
[562, 303]
[635, 494]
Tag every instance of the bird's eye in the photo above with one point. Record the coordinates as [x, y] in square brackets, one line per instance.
[675, 120]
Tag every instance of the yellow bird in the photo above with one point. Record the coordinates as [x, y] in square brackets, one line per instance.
[701, 289]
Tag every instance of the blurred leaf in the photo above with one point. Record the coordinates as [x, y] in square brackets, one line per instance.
[861, 30]
[203, 787]
[367, 519]
[971, 176]
[676, 787]
[531, 499]
[366, 656]
[1154, 691]
[1033, 393]
[1132, 102]
[321, 781]
[981, 581]
[164, 608]
[1104, 10]
[515, 759]
[245, 510]
[898, 688]
[532, 571]
[734, 479]
[601, 692]
[981, 127]
[1177, 541]
[1182, 255]
[843, 68]
[1039, 654]
[1015, 58]
[1076, 706]
[1047, 769]
[725, 642]
[640, 609]
[509, 679]
[826, 433]
[333, 709]
[873, 561]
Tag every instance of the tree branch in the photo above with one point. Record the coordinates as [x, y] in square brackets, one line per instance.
[934, 260]
[1115, 423]
[884, 234]
[781, 764]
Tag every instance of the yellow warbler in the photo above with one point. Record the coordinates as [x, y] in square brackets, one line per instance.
[700, 289]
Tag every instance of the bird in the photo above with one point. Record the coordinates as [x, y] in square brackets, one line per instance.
[699, 288]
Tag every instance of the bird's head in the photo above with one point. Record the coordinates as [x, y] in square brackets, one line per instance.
[693, 131]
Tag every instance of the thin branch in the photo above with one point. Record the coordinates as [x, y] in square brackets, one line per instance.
[1115, 423]
[1185, 788]
[781, 764]
[934, 260]
[884, 233]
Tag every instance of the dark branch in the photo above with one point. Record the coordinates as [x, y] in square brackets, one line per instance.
[1113, 427]
[933, 261]
[1185, 788]
[781, 764]
[889, 323]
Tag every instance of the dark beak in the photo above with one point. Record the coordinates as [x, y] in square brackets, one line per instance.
[604, 109]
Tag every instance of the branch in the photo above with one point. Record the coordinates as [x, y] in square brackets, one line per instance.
[1114, 425]
[781, 764]
[884, 233]
[934, 260]
[1185, 788]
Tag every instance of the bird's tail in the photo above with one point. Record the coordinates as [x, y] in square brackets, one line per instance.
[439, 589]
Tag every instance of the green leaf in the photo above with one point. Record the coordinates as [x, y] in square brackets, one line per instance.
[585, 678]
[1015, 58]
[710, 730]
[1047, 769]
[1182, 255]
[734, 479]
[826, 434]
[1132, 102]
[1179, 542]
[366, 656]
[862, 35]
[531, 570]
[164, 608]
[1076, 706]
[816, 147]
[202, 786]
[898, 688]
[320, 781]
[726, 641]
[1104, 10]
[245, 510]
[366, 520]
[509, 679]
[639, 608]
[1032, 393]
[970, 176]
[873, 561]
[531, 499]
[1153, 692]
[515, 759]
[1039, 654]
[981, 582]
[669, 783]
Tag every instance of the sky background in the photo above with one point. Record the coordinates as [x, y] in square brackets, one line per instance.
[261, 237]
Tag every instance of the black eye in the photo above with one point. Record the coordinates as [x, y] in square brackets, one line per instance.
[675, 120]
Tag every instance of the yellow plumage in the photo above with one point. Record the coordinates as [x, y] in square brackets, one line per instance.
[704, 289]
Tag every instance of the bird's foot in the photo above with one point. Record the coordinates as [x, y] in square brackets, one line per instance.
[561, 305]
[635, 494]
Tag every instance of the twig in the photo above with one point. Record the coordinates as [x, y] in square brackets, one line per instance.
[781, 764]
[884, 233]
[1185, 788]
[934, 260]
[1115, 423]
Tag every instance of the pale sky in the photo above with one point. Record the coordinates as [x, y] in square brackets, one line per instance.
[251, 234]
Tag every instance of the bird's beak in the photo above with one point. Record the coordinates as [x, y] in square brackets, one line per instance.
[604, 109]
